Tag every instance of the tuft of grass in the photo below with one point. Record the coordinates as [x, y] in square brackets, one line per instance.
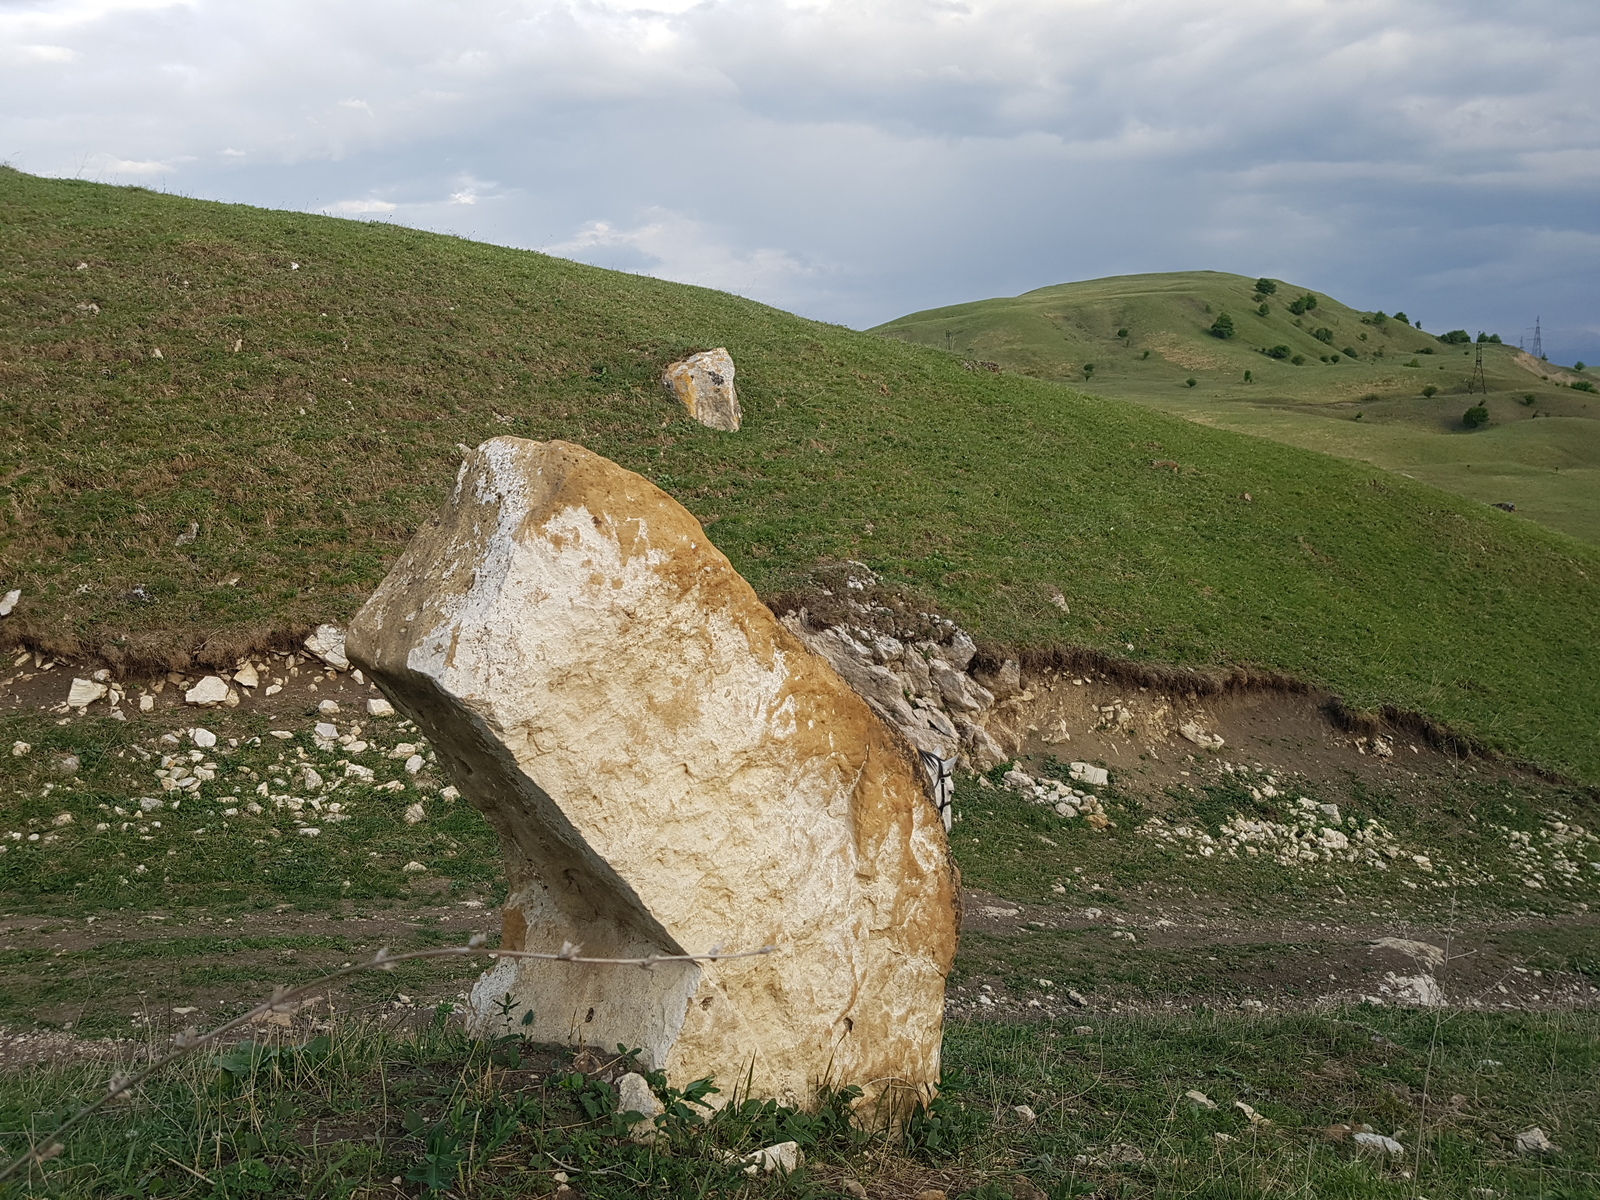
[302, 461]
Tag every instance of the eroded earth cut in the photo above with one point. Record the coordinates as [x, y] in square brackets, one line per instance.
[669, 769]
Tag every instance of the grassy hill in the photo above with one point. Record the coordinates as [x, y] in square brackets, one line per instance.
[221, 423]
[1349, 383]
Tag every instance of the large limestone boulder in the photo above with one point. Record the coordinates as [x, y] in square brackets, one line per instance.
[669, 769]
[703, 383]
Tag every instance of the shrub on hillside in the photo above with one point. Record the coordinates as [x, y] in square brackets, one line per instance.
[1579, 365]
[1191, 381]
[1583, 385]
[1456, 337]
[1303, 305]
[1298, 360]
[1430, 391]
[1277, 352]
[1222, 327]
[1489, 337]
[1263, 309]
[1122, 333]
[1528, 399]
[1323, 335]
[1265, 286]
[1350, 352]
[1402, 318]
[1475, 416]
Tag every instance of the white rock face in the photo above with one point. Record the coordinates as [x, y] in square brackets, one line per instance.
[8, 602]
[704, 384]
[213, 689]
[327, 643]
[669, 769]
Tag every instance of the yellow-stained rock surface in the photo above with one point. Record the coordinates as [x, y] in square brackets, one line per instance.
[669, 769]
[703, 383]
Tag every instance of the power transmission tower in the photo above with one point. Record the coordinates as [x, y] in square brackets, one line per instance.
[1477, 382]
[1538, 340]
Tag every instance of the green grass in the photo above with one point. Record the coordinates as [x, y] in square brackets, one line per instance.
[305, 460]
[348, 1111]
[1543, 456]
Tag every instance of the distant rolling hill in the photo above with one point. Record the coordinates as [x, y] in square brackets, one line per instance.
[1348, 382]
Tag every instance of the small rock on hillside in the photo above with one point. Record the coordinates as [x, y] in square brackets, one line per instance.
[704, 384]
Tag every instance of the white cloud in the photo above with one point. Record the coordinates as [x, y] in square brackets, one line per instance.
[927, 151]
[352, 208]
[672, 246]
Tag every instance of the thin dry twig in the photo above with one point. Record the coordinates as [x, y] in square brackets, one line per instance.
[284, 999]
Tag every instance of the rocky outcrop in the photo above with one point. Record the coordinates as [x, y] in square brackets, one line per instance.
[703, 383]
[669, 769]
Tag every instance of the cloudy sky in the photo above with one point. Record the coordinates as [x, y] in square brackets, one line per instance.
[853, 160]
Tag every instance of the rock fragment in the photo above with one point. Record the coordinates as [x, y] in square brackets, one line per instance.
[8, 602]
[1534, 1141]
[213, 689]
[703, 383]
[85, 692]
[377, 706]
[669, 769]
[327, 643]
[634, 1096]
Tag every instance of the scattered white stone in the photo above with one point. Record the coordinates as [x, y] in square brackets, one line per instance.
[377, 706]
[147, 703]
[416, 814]
[413, 764]
[1089, 773]
[328, 707]
[64, 818]
[1192, 732]
[310, 779]
[450, 795]
[357, 771]
[1025, 1113]
[326, 731]
[1534, 1141]
[413, 868]
[246, 676]
[327, 643]
[8, 602]
[213, 689]
[85, 692]
[785, 1157]
[1200, 1098]
[203, 738]
[1377, 1143]
[283, 735]
[18, 749]
[634, 1096]
[1251, 1114]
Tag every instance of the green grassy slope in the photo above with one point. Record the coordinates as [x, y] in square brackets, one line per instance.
[1356, 394]
[304, 459]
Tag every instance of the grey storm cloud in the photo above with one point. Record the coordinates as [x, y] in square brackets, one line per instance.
[856, 160]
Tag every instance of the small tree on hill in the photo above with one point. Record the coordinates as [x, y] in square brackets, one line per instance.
[1402, 318]
[1222, 327]
[1265, 286]
[1263, 309]
[1191, 381]
[1123, 333]
[1303, 305]
[1456, 337]
[1323, 335]
[1475, 416]
[1430, 391]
